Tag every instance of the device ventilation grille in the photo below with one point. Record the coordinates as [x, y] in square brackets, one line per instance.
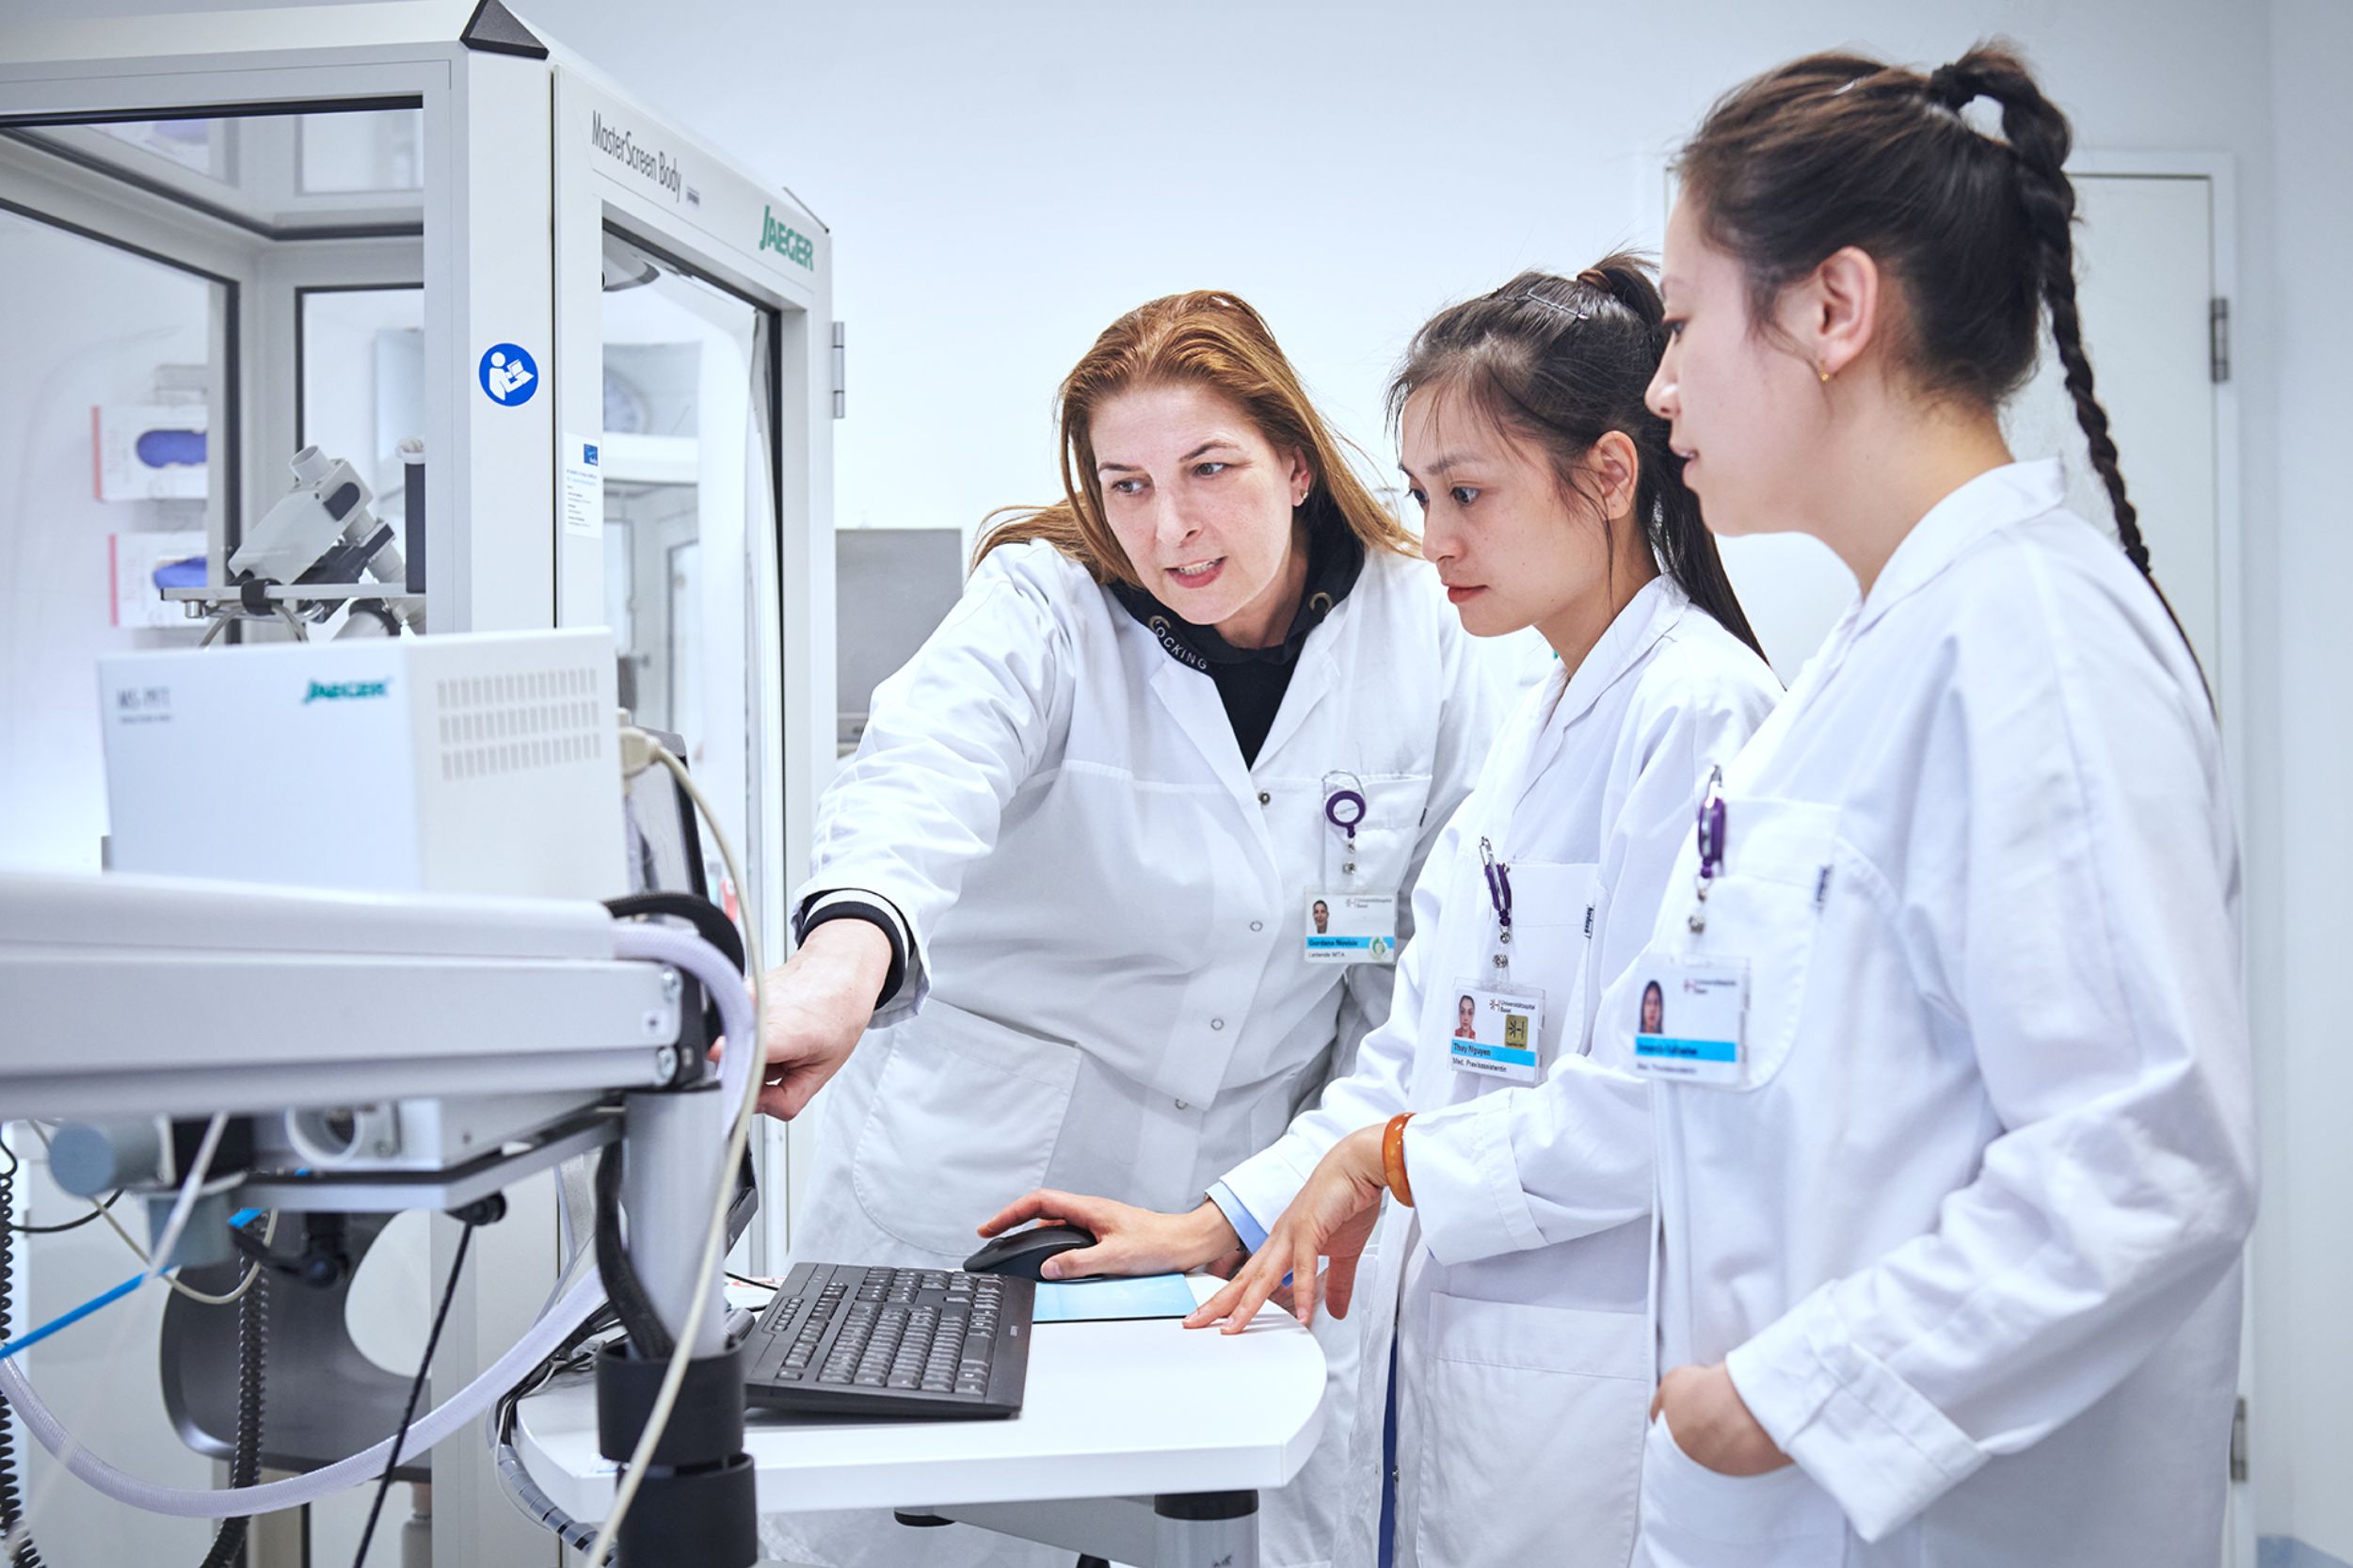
[522, 722]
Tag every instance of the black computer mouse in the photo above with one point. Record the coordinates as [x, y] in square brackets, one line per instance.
[1019, 1252]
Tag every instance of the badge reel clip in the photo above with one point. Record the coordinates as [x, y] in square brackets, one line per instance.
[1498, 1025]
[1345, 923]
[1692, 1008]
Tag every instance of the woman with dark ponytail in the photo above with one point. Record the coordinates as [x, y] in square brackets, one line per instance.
[1953, 1188]
[1510, 1320]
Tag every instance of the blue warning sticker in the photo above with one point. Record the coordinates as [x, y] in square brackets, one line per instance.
[508, 375]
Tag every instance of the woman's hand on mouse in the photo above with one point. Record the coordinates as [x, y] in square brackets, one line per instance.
[1332, 1217]
[1128, 1240]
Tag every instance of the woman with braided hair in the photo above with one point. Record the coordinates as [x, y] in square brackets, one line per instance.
[1952, 1196]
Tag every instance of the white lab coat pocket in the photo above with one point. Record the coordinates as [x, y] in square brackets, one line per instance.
[965, 1117]
[1552, 929]
[1532, 1435]
[1766, 909]
[1383, 851]
[1695, 1517]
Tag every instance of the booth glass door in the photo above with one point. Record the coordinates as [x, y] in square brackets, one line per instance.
[687, 459]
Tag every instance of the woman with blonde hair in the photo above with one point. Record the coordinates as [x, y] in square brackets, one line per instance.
[1060, 925]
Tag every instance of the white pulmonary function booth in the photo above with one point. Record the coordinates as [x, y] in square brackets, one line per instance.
[421, 226]
[338, 322]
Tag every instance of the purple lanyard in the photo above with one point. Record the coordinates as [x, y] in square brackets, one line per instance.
[1712, 826]
[1499, 887]
[1711, 843]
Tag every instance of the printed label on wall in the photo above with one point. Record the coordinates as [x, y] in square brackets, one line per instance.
[584, 488]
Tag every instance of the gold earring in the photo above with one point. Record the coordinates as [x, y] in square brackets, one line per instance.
[1825, 373]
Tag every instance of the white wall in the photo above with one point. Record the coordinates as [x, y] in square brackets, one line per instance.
[2300, 871]
[1002, 180]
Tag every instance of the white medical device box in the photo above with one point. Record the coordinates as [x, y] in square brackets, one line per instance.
[480, 762]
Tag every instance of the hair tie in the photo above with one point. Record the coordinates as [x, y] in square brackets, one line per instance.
[1952, 85]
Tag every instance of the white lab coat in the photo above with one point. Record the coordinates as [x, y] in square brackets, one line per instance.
[1522, 1333]
[1112, 911]
[1970, 1241]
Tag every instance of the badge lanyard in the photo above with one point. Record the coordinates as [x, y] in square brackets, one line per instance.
[1498, 1028]
[1358, 925]
[1691, 1018]
[1499, 894]
[1343, 808]
[1711, 845]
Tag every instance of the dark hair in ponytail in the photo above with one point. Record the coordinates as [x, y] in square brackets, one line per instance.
[1840, 150]
[1562, 361]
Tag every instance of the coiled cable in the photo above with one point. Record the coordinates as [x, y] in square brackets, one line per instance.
[245, 1463]
[11, 1505]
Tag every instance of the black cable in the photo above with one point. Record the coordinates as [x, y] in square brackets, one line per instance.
[97, 1212]
[711, 925]
[245, 1464]
[255, 1250]
[710, 921]
[9, 1222]
[11, 1507]
[416, 1391]
[622, 1288]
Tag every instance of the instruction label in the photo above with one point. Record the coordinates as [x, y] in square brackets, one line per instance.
[584, 488]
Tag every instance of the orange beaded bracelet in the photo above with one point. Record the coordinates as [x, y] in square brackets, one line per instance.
[1393, 1158]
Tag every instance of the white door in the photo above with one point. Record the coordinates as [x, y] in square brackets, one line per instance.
[2146, 286]
[2144, 256]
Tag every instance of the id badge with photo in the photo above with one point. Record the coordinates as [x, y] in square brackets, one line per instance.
[1689, 1014]
[1495, 1031]
[1352, 928]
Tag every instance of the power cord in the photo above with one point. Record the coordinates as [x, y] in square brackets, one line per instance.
[639, 751]
[622, 1288]
[416, 1391]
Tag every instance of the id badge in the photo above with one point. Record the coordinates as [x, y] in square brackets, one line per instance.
[1689, 1018]
[1497, 1030]
[1352, 928]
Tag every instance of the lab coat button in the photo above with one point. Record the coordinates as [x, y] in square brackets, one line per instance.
[1217, 1023]
[1264, 798]
[1184, 1105]
[1257, 925]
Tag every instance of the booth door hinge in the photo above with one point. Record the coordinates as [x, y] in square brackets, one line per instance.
[2238, 1441]
[2218, 339]
[840, 374]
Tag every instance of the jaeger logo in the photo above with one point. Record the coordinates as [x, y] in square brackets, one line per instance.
[335, 691]
[786, 241]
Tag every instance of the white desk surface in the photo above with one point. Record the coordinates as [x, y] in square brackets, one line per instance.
[1110, 1410]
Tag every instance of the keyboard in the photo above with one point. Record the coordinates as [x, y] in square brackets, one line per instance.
[910, 1343]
